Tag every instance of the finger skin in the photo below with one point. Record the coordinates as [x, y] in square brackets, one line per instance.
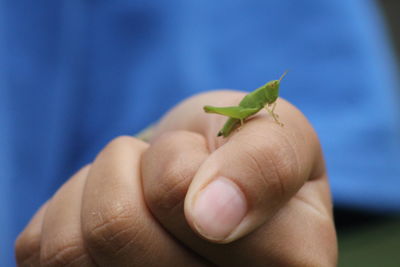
[290, 216]
[62, 241]
[27, 245]
[113, 227]
[168, 167]
[264, 161]
[117, 227]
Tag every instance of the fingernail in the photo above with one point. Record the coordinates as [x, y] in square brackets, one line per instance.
[219, 209]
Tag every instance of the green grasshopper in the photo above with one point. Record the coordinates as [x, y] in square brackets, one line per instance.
[263, 97]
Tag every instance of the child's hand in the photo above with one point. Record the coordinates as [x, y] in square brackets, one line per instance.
[267, 185]
[263, 190]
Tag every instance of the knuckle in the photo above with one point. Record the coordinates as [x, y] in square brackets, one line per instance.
[263, 163]
[177, 170]
[27, 249]
[274, 162]
[286, 160]
[171, 189]
[62, 252]
[112, 232]
[173, 139]
[123, 141]
[277, 179]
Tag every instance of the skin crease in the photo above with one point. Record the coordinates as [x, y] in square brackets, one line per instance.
[132, 206]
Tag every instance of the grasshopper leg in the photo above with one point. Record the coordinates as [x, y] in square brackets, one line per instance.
[241, 124]
[273, 114]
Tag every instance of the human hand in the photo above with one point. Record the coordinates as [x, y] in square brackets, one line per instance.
[100, 216]
[265, 189]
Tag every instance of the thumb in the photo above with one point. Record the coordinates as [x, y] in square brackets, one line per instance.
[244, 182]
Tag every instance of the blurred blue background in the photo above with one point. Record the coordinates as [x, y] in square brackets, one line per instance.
[75, 74]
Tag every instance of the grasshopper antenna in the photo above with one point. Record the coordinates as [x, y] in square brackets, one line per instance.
[283, 75]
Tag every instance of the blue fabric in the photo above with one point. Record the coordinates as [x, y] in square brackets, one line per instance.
[75, 74]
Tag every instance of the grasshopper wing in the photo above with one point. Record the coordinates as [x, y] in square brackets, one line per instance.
[235, 112]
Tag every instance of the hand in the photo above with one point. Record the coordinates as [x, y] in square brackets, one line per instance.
[99, 217]
[263, 191]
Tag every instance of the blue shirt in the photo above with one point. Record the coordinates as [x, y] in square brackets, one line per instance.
[75, 74]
